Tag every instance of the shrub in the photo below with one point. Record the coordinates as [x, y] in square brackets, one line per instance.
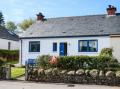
[2, 61]
[106, 51]
[9, 55]
[84, 62]
[43, 61]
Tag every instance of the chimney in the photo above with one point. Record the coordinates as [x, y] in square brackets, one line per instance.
[111, 10]
[40, 17]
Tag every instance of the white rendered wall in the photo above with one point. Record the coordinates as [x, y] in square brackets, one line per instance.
[46, 46]
[115, 44]
[4, 44]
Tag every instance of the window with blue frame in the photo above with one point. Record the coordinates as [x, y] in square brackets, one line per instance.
[54, 47]
[34, 46]
[88, 45]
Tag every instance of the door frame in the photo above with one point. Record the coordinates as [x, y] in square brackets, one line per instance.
[65, 48]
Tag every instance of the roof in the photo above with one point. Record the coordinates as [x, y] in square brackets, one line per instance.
[93, 25]
[6, 34]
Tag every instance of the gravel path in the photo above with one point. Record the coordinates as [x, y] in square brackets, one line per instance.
[31, 85]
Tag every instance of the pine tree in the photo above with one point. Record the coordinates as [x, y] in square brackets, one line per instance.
[2, 23]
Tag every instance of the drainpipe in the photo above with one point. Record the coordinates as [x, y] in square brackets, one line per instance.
[21, 52]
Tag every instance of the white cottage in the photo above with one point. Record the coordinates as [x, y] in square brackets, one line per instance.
[8, 39]
[67, 36]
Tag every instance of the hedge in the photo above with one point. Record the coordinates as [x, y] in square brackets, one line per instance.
[9, 55]
[87, 62]
[77, 62]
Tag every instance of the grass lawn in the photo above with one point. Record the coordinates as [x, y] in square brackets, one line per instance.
[17, 72]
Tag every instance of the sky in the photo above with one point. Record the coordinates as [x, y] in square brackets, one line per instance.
[18, 10]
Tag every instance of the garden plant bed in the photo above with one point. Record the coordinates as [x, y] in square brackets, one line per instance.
[103, 69]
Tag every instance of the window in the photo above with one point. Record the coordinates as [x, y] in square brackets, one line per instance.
[88, 45]
[34, 46]
[54, 47]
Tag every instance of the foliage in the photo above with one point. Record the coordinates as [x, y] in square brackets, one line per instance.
[11, 26]
[85, 62]
[9, 55]
[1, 19]
[106, 51]
[43, 61]
[1, 61]
[26, 23]
[17, 72]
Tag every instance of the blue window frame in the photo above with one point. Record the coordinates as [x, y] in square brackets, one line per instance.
[88, 45]
[34, 46]
[54, 47]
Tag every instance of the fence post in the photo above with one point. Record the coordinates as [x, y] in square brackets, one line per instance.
[26, 71]
[8, 71]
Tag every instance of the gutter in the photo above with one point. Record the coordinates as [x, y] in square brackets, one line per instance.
[64, 36]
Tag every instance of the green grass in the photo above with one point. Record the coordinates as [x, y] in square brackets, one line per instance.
[17, 72]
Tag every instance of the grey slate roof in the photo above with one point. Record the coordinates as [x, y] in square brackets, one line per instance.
[6, 34]
[75, 26]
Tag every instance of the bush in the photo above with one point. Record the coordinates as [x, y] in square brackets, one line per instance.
[9, 55]
[43, 61]
[86, 62]
[106, 51]
[2, 61]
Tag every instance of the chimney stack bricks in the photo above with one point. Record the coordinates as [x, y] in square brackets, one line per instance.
[40, 17]
[111, 10]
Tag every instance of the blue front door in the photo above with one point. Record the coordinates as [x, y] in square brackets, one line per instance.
[63, 49]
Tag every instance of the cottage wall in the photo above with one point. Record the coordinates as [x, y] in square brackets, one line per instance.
[13, 44]
[115, 44]
[46, 46]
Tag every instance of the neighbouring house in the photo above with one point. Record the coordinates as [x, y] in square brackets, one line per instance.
[8, 39]
[67, 36]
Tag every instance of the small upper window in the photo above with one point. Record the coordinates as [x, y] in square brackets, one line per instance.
[54, 47]
[34, 46]
[88, 46]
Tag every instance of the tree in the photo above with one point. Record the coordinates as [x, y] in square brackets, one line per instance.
[11, 26]
[26, 23]
[1, 19]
